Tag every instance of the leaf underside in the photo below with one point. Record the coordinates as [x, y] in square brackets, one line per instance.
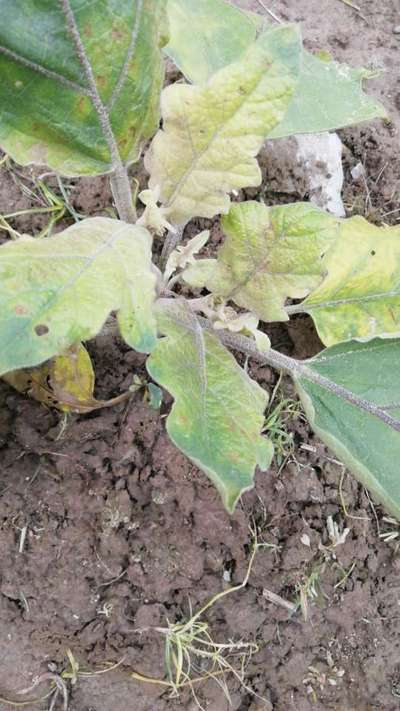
[58, 291]
[47, 113]
[368, 446]
[211, 134]
[329, 96]
[218, 413]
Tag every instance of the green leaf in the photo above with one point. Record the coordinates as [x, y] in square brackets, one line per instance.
[212, 134]
[55, 292]
[218, 413]
[369, 447]
[48, 115]
[329, 96]
[269, 254]
[155, 396]
[360, 296]
[206, 35]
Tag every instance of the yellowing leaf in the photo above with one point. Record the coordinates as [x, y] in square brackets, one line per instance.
[48, 109]
[185, 254]
[360, 296]
[269, 254]
[153, 217]
[58, 291]
[212, 134]
[218, 413]
[206, 35]
[65, 382]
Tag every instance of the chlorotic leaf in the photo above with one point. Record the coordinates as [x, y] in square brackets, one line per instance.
[206, 35]
[329, 96]
[369, 447]
[65, 382]
[185, 254]
[269, 254]
[48, 113]
[217, 416]
[153, 217]
[360, 296]
[211, 134]
[55, 292]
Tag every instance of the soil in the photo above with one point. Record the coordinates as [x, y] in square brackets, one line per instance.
[107, 531]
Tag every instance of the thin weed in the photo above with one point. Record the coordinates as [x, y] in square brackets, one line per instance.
[193, 656]
[309, 590]
[59, 684]
[281, 411]
[48, 202]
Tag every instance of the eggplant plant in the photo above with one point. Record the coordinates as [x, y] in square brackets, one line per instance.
[81, 93]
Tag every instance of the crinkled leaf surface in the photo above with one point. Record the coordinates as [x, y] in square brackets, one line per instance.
[269, 254]
[368, 446]
[360, 296]
[206, 35]
[328, 96]
[211, 134]
[47, 115]
[55, 292]
[218, 413]
[65, 382]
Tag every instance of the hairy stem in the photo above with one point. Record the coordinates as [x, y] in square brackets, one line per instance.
[295, 309]
[119, 179]
[300, 370]
[122, 194]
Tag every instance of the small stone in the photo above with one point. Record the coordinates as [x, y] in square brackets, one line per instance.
[358, 171]
[396, 30]
[158, 497]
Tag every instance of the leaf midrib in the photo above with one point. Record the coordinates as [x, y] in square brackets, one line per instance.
[351, 300]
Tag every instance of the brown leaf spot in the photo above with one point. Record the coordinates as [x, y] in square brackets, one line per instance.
[101, 81]
[117, 35]
[41, 329]
[82, 105]
[87, 31]
[20, 310]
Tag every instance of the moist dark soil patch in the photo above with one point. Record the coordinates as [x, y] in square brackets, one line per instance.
[106, 530]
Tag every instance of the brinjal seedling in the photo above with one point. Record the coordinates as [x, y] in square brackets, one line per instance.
[87, 102]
